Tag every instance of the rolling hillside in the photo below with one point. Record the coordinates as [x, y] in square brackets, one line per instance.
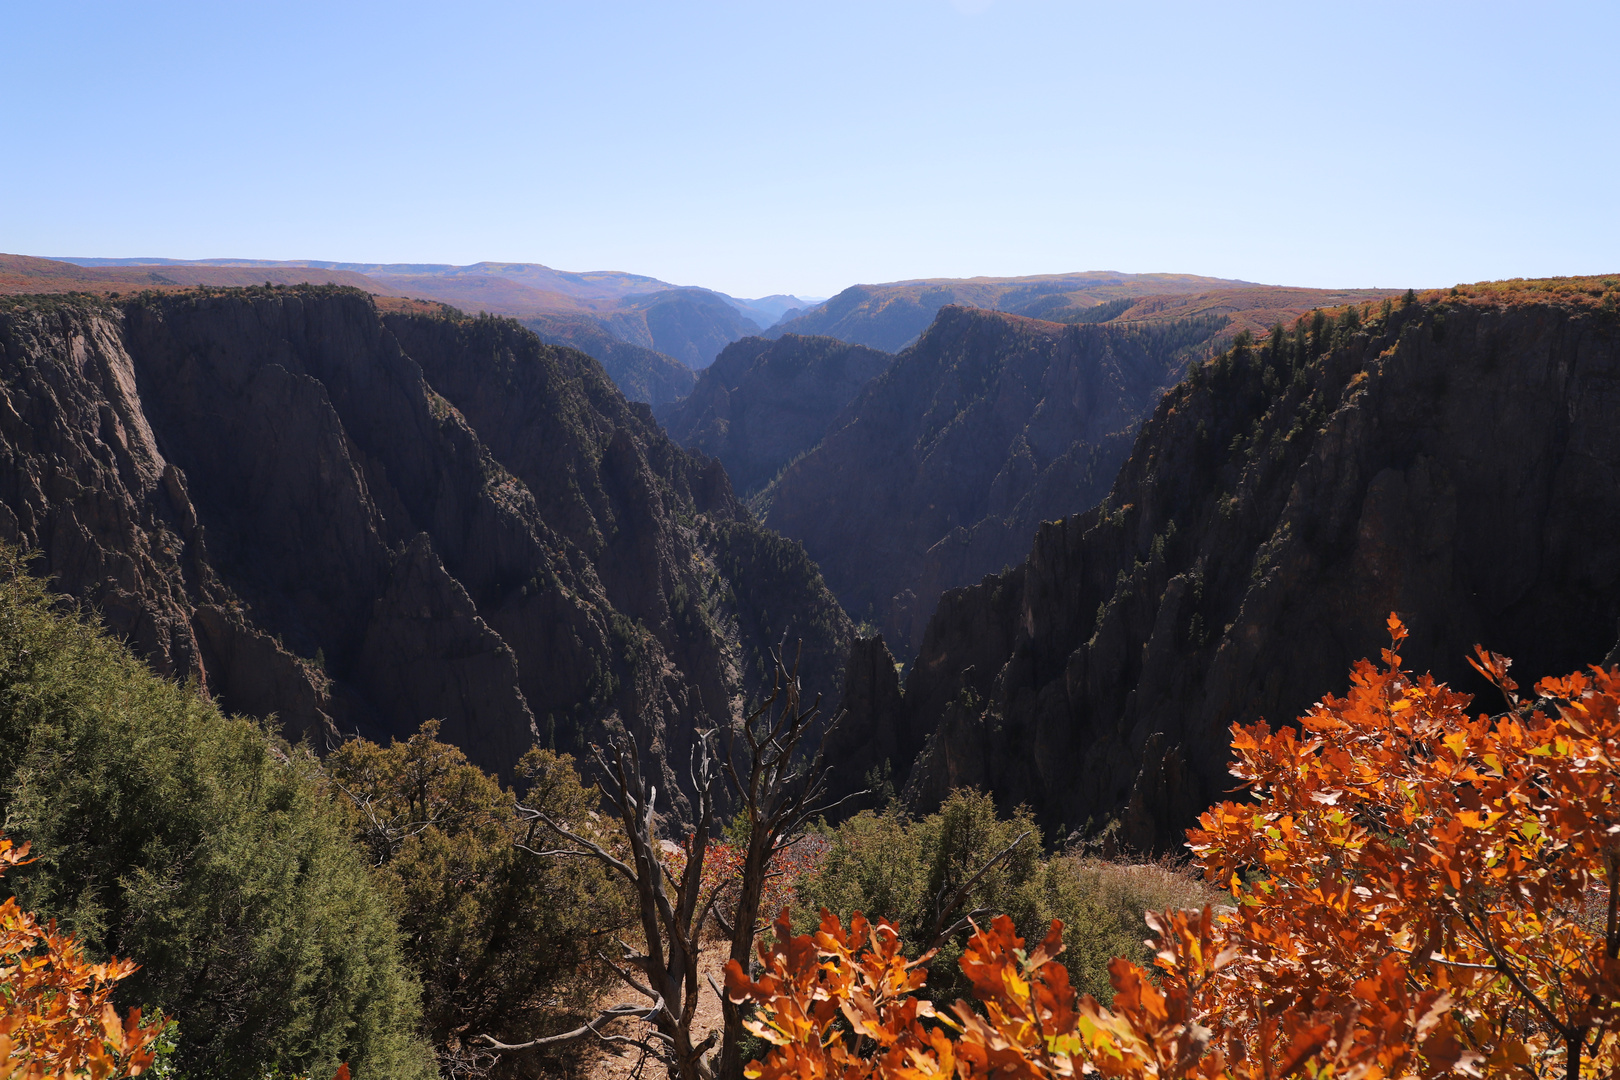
[891, 316]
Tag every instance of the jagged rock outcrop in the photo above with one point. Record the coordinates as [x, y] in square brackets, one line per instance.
[358, 521]
[1452, 460]
[763, 403]
[941, 468]
[856, 750]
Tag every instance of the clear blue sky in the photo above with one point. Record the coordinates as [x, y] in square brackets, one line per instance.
[802, 146]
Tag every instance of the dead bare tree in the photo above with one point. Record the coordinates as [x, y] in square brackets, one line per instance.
[779, 785]
[774, 766]
[666, 973]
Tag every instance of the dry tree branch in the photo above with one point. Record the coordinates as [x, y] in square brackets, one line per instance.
[940, 933]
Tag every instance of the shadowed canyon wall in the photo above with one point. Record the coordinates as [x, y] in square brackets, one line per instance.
[358, 521]
[939, 471]
[763, 403]
[1455, 462]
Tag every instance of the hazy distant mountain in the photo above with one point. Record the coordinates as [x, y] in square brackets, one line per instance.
[691, 324]
[940, 470]
[641, 374]
[763, 403]
[767, 311]
[596, 284]
[891, 316]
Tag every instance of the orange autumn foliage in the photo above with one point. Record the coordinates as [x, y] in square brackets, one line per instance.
[1033, 1025]
[56, 1017]
[1417, 892]
[1481, 852]
[723, 865]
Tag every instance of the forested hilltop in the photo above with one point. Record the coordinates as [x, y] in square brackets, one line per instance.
[1449, 457]
[358, 521]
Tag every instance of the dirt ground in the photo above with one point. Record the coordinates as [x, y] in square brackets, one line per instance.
[619, 1061]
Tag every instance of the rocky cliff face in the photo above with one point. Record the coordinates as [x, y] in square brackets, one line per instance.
[940, 470]
[358, 522]
[640, 374]
[763, 403]
[1453, 461]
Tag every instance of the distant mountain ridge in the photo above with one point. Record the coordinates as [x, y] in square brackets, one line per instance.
[23, 274]
[891, 316]
[688, 324]
[598, 284]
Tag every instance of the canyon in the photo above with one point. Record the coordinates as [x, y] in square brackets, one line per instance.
[1450, 459]
[357, 520]
[1052, 560]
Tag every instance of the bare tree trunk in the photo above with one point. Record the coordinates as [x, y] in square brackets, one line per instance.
[666, 973]
[780, 784]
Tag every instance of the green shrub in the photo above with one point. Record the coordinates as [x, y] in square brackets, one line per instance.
[202, 848]
[504, 941]
[890, 866]
[1102, 904]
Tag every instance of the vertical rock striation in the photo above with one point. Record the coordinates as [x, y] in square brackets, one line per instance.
[942, 467]
[1454, 461]
[358, 522]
